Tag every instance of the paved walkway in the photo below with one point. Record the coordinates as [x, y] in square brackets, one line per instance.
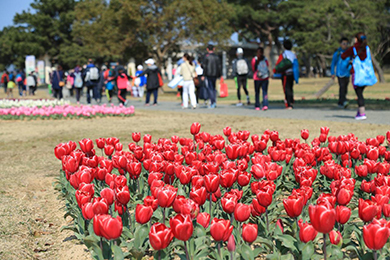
[275, 111]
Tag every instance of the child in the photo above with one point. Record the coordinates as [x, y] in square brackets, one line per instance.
[10, 85]
[141, 82]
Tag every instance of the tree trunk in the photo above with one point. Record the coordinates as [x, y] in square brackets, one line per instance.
[378, 69]
[322, 64]
[306, 60]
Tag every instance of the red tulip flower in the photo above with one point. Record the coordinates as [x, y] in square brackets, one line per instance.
[211, 182]
[227, 131]
[195, 128]
[376, 234]
[181, 226]
[305, 134]
[229, 204]
[294, 205]
[203, 219]
[386, 210]
[367, 210]
[324, 130]
[264, 197]
[361, 170]
[242, 212]
[322, 217]
[199, 195]
[249, 232]
[86, 145]
[136, 136]
[122, 195]
[166, 196]
[151, 201]
[109, 150]
[107, 226]
[160, 236]
[306, 231]
[87, 211]
[108, 194]
[342, 214]
[143, 213]
[100, 142]
[335, 237]
[220, 229]
[231, 245]
[99, 206]
[147, 138]
[344, 196]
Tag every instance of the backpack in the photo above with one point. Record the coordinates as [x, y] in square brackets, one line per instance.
[78, 81]
[242, 67]
[92, 74]
[30, 81]
[283, 65]
[262, 69]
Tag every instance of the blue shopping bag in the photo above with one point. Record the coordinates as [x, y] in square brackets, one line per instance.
[364, 71]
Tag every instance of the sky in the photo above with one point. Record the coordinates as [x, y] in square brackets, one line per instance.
[8, 9]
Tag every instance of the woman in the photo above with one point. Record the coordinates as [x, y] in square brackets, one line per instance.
[121, 82]
[57, 82]
[187, 70]
[152, 82]
[260, 77]
[360, 49]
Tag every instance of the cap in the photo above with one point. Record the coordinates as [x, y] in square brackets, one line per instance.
[149, 61]
[240, 51]
[140, 67]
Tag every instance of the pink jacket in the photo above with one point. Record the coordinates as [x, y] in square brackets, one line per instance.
[254, 69]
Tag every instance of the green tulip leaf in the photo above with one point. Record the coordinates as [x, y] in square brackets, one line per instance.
[308, 250]
[118, 254]
[287, 241]
[246, 252]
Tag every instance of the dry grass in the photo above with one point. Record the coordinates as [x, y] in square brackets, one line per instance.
[30, 213]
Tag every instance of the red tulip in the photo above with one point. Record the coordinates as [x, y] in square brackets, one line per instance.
[376, 234]
[181, 226]
[147, 138]
[100, 142]
[305, 134]
[195, 128]
[229, 204]
[249, 232]
[367, 210]
[220, 229]
[143, 213]
[324, 130]
[274, 136]
[228, 178]
[199, 195]
[87, 211]
[160, 236]
[122, 195]
[258, 171]
[86, 145]
[322, 217]
[306, 232]
[264, 197]
[151, 201]
[211, 182]
[227, 131]
[166, 196]
[108, 194]
[386, 210]
[231, 245]
[107, 226]
[361, 170]
[203, 219]
[342, 214]
[242, 212]
[294, 205]
[344, 196]
[99, 206]
[109, 150]
[136, 136]
[335, 237]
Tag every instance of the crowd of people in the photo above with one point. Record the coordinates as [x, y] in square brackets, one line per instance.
[198, 78]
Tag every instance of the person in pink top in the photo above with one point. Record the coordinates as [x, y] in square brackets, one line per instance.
[260, 76]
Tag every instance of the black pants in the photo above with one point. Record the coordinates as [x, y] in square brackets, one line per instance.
[288, 83]
[57, 93]
[149, 92]
[89, 89]
[241, 81]
[343, 83]
[122, 95]
[111, 93]
[359, 94]
[211, 81]
[78, 93]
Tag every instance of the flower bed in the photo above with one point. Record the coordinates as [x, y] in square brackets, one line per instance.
[64, 111]
[235, 196]
[11, 103]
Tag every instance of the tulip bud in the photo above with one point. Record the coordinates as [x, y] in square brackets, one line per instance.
[231, 246]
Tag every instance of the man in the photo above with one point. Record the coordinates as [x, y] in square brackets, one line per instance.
[211, 71]
[4, 80]
[342, 68]
[240, 74]
[91, 78]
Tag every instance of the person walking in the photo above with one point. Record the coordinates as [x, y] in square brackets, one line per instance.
[4, 80]
[341, 69]
[121, 82]
[57, 82]
[91, 78]
[100, 84]
[211, 71]
[152, 83]
[78, 83]
[10, 86]
[31, 83]
[240, 73]
[187, 70]
[141, 81]
[260, 76]
[362, 70]
[20, 80]
[284, 65]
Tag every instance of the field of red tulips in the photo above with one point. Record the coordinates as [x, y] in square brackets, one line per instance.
[230, 196]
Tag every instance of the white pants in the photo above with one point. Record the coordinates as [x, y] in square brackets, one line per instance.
[141, 91]
[189, 89]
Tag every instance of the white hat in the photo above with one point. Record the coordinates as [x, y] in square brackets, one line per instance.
[149, 61]
[140, 67]
[240, 51]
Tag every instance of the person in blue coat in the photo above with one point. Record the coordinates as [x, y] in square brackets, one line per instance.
[341, 69]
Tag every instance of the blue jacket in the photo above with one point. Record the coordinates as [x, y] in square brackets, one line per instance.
[142, 78]
[342, 67]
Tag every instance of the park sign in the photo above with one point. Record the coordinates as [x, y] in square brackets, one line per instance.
[30, 63]
[41, 71]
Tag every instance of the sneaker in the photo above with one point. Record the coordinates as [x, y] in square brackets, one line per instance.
[265, 108]
[257, 108]
[345, 104]
[213, 106]
[239, 104]
[126, 102]
[360, 116]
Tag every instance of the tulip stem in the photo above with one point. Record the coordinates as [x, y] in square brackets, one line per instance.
[375, 255]
[210, 208]
[239, 234]
[159, 254]
[101, 244]
[219, 249]
[324, 247]
[128, 213]
[164, 216]
[266, 216]
[231, 255]
[186, 250]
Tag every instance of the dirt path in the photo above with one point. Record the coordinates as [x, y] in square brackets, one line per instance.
[30, 213]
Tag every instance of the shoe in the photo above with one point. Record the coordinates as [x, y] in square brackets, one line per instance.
[239, 104]
[184, 107]
[126, 102]
[360, 116]
[345, 104]
[146, 104]
[265, 108]
[212, 106]
[247, 100]
[257, 108]
[155, 104]
[194, 107]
